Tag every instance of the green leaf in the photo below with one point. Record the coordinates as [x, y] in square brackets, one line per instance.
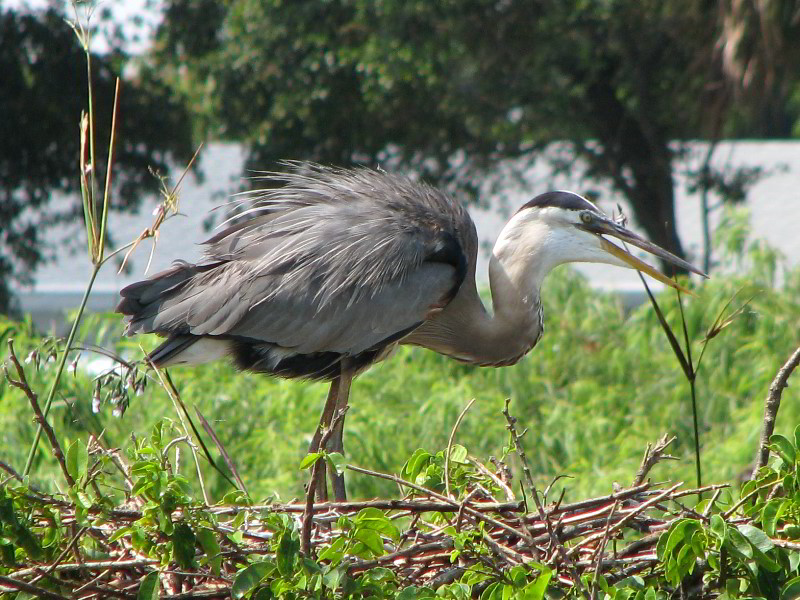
[335, 551]
[309, 460]
[337, 462]
[738, 544]
[771, 513]
[699, 544]
[183, 540]
[679, 533]
[458, 454]
[718, 526]
[371, 540]
[16, 531]
[77, 460]
[288, 548]
[210, 545]
[372, 518]
[797, 437]
[415, 464]
[249, 578]
[149, 589]
[264, 593]
[783, 447]
[756, 537]
[536, 589]
[791, 590]
[492, 591]
[411, 592]
[333, 578]
[794, 560]
[122, 531]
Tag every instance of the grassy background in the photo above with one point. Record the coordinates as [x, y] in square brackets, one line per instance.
[594, 391]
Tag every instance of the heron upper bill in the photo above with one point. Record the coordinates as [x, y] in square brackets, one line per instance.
[610, 228]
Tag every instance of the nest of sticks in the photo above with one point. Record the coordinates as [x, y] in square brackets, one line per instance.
[614, 536]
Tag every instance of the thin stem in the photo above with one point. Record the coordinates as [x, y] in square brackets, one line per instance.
[696, 438]
[692, 387]
[177, 404]
[107, 194]
[62, 361]
[450, 447]
[92, 173]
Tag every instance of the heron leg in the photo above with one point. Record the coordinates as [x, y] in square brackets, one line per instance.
[324, 423]
[336, 443]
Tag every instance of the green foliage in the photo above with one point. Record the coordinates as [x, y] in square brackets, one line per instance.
[744, 559]
[598, 387]
[748, 550]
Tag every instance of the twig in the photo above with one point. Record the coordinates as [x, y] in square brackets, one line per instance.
[652, 455]
[600, 549]
[707, 511]
[618, 525]
[417, 506]
[498, 482]
[9, 469]
[452, 503]
[786, 544]
[177, 403]
[744, 499]
[31, 589]
[308, 513]
[226, 457]
[771, 406]
[557, 545]
[66, 550]
[450, 447]
[92, 566]
[463, 506]
[512, 421]
[22, 384]
[407, 553]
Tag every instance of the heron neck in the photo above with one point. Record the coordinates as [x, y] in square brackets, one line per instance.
[465, 330]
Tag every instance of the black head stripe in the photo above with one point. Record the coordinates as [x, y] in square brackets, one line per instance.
[564, 200]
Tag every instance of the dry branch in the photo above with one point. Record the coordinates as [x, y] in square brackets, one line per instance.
[771, 406]
[22, 384]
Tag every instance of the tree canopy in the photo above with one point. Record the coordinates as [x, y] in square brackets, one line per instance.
[451, 88]
[42, 95]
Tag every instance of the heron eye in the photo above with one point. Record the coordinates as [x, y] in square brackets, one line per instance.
[587, 217]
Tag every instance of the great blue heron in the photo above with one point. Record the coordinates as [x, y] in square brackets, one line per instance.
[324, 275]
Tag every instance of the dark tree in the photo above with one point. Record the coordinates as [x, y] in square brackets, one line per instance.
[42, 94]
[431, 85]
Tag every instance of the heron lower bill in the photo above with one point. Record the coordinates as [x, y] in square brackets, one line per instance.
[326, 270]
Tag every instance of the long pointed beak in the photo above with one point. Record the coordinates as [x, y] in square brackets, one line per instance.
[609, 228]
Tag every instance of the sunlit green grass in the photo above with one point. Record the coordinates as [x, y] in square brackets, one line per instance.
[598, 387]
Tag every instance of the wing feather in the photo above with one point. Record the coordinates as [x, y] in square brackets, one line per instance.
[333, 261]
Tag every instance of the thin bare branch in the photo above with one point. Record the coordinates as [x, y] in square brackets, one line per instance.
[771, 406]
[450, 447]
[22, 384]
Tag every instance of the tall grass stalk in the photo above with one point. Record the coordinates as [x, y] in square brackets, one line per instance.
[95, 239]
[688, 368]
[692, 378]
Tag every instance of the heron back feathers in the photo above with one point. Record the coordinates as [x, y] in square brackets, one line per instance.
[334, 263]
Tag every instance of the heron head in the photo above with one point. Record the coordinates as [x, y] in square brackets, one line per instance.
[576, 230]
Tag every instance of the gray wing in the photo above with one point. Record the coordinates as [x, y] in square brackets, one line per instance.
[335, 263]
